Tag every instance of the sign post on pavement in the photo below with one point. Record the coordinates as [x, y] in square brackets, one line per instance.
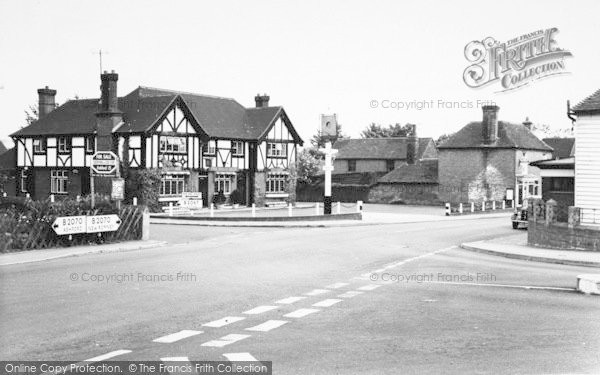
[106, 164]
[86, 224]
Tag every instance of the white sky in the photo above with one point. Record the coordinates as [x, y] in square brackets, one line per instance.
[312, 57]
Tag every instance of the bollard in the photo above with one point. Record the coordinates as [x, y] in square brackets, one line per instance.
[472, 207]
[78, 198]
[146, 225]
[339, 208]
[460, 208]
[448, 209]
[51, 198]
[4, 194]
[253, 210]
[359, 205]
[170, 208]
[504, 205]
[289, 209]
[135, 201]
[317, 208]
[493, 205]
[212, 210]
[27, 196]
[483, 206]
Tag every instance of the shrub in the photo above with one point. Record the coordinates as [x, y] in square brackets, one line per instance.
[219, 198]
[236, 197]
[144, 184]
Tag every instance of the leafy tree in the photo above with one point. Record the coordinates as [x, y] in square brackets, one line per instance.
[545, 131]
[374, 130]
[307, 165]
[31, 115]
[144, 184]
[443, 138]
[319, 139]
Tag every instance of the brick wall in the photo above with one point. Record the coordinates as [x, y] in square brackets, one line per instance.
[561, 236]
[260, 188]
[424, 194]
[471, 175]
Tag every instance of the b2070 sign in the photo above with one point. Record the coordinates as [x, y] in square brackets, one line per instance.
[86, 224]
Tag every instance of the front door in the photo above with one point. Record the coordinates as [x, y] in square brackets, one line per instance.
[203, 188]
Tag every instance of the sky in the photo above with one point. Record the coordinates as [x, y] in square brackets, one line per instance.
[312, 57]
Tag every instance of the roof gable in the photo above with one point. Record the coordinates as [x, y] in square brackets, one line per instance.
[562, 146]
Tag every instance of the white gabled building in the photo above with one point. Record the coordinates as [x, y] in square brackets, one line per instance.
[587, 158]
[199, 143]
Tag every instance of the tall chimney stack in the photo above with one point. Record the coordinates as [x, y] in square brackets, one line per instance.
[46, 101]
[262, 101]
[108, 116]
[527, 123]
[412, 145]
[489, 125]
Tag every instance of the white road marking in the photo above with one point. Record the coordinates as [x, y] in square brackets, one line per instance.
[260, 310]
[226, 340]
[289, 300]
[316, 292]
[223, 322]
[107, 356]
[336, 285]
[327, 302]
[300, 313]
[370, 287]
[267, 326]
[350, 294]
[177, 336]
[175, 359]
[240, 357]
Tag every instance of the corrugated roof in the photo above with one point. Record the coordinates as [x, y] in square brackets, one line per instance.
[589, 104]
[376, 148]
[422, 172]
[509, 136]
[562, 146]
[218, 117]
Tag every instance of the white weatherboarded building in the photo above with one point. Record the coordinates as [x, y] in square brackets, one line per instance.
[587, 158]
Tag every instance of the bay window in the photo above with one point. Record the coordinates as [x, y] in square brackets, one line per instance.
[223, 182]
[172, 184]
[276, 182]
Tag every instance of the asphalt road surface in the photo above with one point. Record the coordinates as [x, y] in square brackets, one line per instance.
[374, 299]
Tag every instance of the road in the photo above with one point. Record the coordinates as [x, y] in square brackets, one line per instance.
[406, 319]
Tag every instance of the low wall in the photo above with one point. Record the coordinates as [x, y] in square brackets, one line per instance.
[561, 236]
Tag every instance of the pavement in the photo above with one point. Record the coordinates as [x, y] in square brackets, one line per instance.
[398, 298]
[515, 247]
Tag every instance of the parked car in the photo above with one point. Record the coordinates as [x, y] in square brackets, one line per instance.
[519, 217]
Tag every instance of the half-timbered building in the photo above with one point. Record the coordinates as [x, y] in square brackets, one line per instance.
[199, 143]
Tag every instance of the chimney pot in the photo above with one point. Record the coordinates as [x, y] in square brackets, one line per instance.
[527, 123]
[489, 125]
[46, 101]
[262, 101]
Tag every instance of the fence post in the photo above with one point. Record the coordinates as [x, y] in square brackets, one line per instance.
[493, 205]
[51, 198]
[289, 209]
[504, 205]
[359, 205]
[448, 209]
[472, 207]
[339, 207]
[483, 205]
[317, 208]
[460, 208]
[550, 212]
[574, 216]
[135, 201]
[146, 224]
[212, 210]
[253, 210]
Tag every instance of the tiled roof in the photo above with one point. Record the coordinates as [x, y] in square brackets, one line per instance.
[8, 160]
[377, 148]
[589, 104]
[562, 146]
[218, 117]
[423, 172]
[509, 136]
[2, 148]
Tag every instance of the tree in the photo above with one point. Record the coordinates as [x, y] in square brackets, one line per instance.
[545, 131]
[307, 165]
[374, 130]
[443, 138]
[319, 139]
[31, 115]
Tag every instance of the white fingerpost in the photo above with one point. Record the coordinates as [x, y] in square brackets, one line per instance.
[253, 210]
[447, 209]
[460, 208]
[212, 210]
[328, 168]
[289, 209]
[170, 208]
[135, 201]
[317, 208]
[51, 198]
[339, 208]
[472, 207]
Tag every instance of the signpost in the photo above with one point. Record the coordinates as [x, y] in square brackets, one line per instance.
[102, 223]
[191, 200]
[69, 225]
[105, 164]
[86, 224]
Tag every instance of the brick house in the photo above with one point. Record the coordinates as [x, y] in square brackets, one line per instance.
[199, 143]
[489, 159]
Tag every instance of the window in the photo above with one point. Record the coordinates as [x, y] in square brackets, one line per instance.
[207, 163]
[64, 144]
[237, 148]
[351, 165]
[210, 149]
[562, 184]
[23, 181]
[58, 181]
[39, 145]
[90, 145]
[173, 144]
[276, 183]
[277, 149]
[223, 182]
[389, 165]
[172, 184]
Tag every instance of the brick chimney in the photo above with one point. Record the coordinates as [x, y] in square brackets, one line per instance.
[108, 116]
[527, 123]
[412, 145]
[262, 101]
[46, 102]
[489, 125]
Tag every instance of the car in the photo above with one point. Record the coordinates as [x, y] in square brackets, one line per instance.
[519, 217]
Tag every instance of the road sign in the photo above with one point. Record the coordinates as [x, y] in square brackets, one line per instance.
[69, 225]
[105, 163]
[191, 200]
[102, 223]
[118, 189]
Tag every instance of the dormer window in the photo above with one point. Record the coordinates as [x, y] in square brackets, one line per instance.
[39, 145]
[64, 144]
